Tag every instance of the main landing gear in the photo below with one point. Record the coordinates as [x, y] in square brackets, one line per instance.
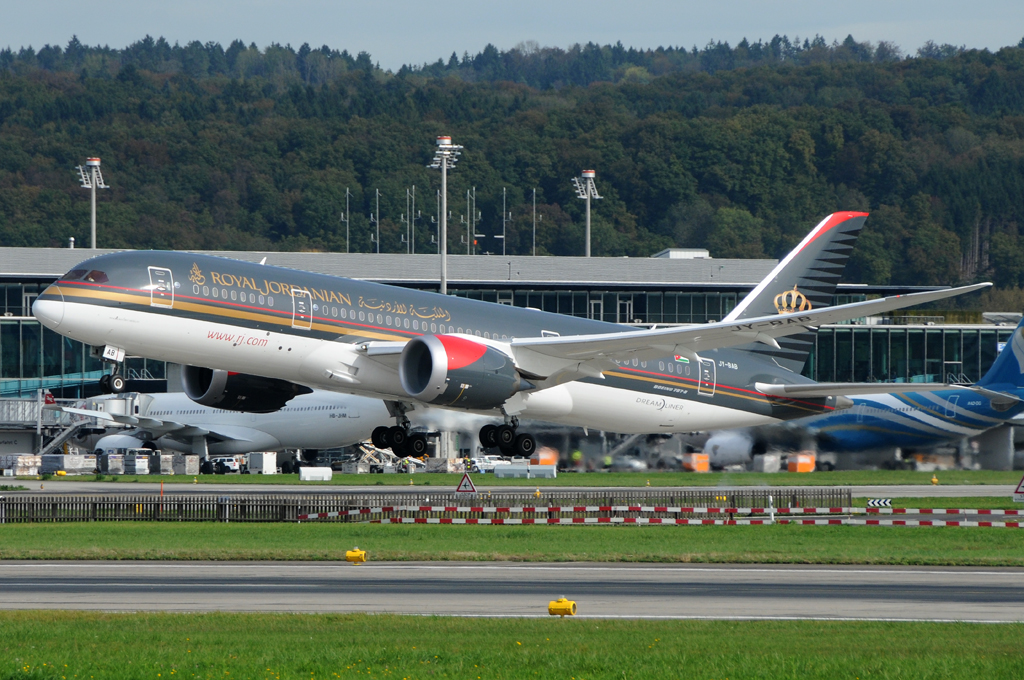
[504, 437]
[400, 440]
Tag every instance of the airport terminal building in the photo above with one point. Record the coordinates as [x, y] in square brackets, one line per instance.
[675, 287]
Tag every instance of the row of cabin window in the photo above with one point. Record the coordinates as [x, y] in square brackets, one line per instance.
[235, 295]
[286, 408]
[344, 313]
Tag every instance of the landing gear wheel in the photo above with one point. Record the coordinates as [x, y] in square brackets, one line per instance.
[505, 436]
[105, 383]
[416, 445]
[488, 436]
[397, 437]
[524, 445]
[379, 437]
[117, 383]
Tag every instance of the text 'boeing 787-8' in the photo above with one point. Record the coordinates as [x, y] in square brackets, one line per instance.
[253, 336]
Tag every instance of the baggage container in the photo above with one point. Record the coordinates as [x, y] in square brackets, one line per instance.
[136, 463]
[801, 462]
[315, 474]
[53, 463]
[185, 464]
[161, 463]
[446, 465]
[263, 463]
[696, 462]
[767, 462]
[111, 464]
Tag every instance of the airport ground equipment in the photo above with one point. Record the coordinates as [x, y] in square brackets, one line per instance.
[562, 607]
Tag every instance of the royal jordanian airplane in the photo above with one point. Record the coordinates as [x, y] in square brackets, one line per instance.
[172, 421]
[253, 336]
[906, 420]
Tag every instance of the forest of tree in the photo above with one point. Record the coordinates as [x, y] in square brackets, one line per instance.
[739, 149]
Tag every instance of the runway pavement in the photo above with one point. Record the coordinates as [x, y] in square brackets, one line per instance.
[503, 589]
[89, 487]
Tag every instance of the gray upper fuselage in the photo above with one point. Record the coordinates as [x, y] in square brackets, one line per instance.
[244, 294]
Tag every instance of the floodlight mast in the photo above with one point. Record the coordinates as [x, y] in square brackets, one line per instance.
[445, 157]
[92, 179]
[344, 218]
[376, 221]
[586, 189]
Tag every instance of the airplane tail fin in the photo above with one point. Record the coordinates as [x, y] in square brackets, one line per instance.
[1008, 370]
[805, 279]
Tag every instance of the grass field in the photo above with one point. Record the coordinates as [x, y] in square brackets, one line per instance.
[279, 646]
[605, 479]
[779, 544]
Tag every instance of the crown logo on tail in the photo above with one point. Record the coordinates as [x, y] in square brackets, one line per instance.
[792, 301]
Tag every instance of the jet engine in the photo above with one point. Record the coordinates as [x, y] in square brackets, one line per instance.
[238, 391]
[729, 447]
[453, 371]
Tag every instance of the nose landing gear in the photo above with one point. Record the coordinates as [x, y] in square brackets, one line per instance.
[113, 383]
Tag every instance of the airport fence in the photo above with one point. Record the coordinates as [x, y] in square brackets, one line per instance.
[350, 507]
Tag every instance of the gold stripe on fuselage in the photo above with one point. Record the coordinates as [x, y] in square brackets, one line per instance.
[339, 329]
[213, 310]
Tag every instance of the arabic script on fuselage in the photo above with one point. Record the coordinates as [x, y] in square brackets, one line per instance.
[422, 312]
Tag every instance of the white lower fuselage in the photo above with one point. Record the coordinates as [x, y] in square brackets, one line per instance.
[320, 420]
[339, 367]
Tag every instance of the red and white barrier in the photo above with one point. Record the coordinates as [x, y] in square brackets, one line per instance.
[660, 508]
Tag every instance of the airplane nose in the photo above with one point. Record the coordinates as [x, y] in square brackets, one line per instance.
[49, 310]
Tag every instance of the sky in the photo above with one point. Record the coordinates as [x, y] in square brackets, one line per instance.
[397, 32]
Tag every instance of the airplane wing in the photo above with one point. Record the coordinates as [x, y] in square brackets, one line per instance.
[561, 359]
[157, 427]
[812, 390]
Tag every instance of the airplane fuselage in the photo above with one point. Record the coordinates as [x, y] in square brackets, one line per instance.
[320, 420]
[307, 328]
[908, 420]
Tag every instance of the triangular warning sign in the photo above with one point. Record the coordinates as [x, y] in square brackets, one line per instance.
[466, 485]
[1018, 495]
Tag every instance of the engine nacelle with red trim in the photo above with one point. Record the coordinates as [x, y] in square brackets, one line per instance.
[451, 371]
[237, 391]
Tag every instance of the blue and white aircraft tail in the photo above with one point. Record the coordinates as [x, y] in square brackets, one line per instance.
[1007, 373]
[907, 420]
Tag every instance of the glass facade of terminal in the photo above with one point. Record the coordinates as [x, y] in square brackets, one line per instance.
[33, 357]
[905, 353]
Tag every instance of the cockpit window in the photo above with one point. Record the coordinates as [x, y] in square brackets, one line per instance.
[75, 274]
[96, 276]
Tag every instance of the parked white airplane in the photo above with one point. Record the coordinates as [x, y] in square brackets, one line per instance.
[172, 421]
